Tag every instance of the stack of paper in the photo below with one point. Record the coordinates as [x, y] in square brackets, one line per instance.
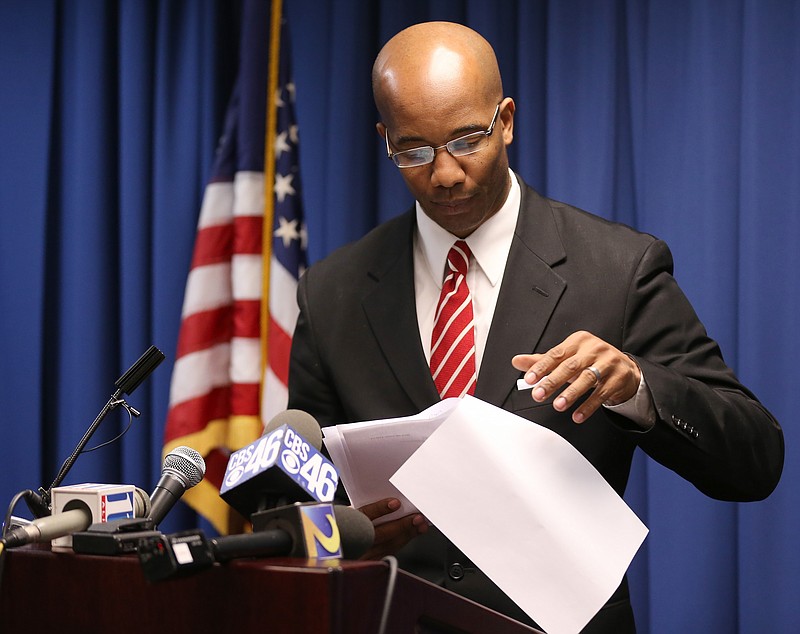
[368, 454]
[515, 497]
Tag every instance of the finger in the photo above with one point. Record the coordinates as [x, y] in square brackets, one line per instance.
[568, 372]
[563, 362]
[585, 380]
[392, 536]
[523, 362]
[374, 510]
[590, 406]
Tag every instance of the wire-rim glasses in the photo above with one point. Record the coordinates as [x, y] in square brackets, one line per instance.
[462, 146]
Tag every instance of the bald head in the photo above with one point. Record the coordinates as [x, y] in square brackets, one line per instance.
[434, 61]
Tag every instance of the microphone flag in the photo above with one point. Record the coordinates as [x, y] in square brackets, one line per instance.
[280, 467]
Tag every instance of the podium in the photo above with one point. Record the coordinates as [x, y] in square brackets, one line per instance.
[66, 591]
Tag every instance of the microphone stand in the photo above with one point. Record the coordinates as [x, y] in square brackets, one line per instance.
[39, 503]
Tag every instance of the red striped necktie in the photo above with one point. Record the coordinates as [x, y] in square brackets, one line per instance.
[453, 339]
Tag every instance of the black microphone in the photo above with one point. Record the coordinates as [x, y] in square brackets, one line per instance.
[183, 468]
[40, 503]
[281, 467]
[286, 533]
[140, 370]
[77, 516]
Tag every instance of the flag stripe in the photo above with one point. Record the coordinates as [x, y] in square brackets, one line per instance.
[205, 329]
[207, 288]
[217, 205]
[212, 245]
[283, 303]
[280, 344]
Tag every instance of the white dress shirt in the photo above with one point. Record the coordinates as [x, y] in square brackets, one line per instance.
[489, 244]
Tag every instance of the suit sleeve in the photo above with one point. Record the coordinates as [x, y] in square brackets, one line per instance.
[709, 428]
[310, 390]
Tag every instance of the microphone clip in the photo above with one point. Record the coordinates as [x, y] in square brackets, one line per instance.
[121, 402]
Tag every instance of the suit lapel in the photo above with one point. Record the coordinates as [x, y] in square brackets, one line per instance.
[391, 312]
[530, 292]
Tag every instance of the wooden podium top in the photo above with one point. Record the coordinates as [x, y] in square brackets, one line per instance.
[43, 589]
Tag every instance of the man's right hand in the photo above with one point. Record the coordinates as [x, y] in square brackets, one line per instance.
[393, 535]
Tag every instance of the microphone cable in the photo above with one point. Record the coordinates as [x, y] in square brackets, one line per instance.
[387, 602]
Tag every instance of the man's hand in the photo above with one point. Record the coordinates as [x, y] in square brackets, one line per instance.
[583, 362]
[393, 535]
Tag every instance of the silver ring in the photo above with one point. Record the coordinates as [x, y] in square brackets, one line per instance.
[596, 372]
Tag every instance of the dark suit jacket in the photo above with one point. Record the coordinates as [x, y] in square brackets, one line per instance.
[357, 355]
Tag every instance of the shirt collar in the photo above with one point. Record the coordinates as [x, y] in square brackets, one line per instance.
[489, 243]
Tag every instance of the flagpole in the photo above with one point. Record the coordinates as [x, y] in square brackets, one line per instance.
[269, 180]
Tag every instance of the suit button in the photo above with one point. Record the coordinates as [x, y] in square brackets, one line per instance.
[456, 572]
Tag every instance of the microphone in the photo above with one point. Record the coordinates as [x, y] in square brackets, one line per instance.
[356, 529]
[141, 503]
[183, 468]
[281, 467]
[140, 370]
[75, 508]
[297, 530]
[40, 503]
[303, 422]
[48, 528]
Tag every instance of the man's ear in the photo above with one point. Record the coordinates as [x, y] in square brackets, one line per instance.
[507, 109]
[381, 129]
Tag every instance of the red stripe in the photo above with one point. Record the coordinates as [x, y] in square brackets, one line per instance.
[279, 346]
[247, 237]
[216, 463]
[247, 318]
[213, 245]
[217, 243]
[205, 330]
[193, 415]
[245, 399]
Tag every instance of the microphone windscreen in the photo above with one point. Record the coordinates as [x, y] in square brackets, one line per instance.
[141, 503]
[186, 464]
[302, 422]
[355, 529]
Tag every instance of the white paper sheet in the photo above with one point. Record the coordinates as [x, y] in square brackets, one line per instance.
[528, 509]
[366, 454]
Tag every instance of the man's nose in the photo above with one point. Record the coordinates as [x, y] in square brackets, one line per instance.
[446, 169]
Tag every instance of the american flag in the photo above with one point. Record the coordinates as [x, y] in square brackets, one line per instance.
[232, 360]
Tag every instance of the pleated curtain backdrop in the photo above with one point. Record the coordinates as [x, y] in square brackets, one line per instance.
[681, 118]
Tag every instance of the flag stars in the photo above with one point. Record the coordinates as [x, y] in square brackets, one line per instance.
[287, 231]
[281, 143]
[283, 186]
[293, 135]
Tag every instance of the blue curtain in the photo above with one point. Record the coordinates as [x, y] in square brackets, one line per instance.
[679, 117]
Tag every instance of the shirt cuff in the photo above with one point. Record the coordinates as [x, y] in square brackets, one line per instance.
[639, 408]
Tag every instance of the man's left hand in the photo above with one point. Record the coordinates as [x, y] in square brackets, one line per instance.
[582, 362]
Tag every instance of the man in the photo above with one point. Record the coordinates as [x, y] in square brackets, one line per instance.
[587, 308]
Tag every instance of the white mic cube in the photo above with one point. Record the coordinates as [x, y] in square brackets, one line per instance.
[105, 502]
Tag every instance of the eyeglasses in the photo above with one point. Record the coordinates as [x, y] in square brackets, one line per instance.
[463, 145]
